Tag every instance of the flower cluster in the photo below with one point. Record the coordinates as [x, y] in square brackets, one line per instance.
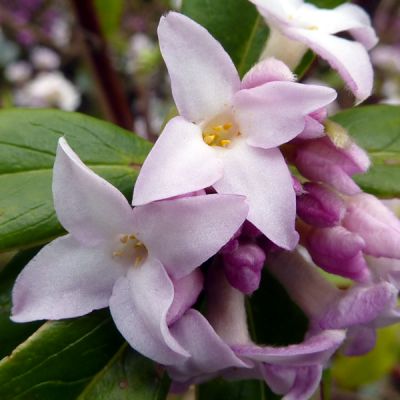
[219, 182]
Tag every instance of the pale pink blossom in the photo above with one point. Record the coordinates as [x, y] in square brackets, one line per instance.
[140, 262]
[310, 26]
[229, 131]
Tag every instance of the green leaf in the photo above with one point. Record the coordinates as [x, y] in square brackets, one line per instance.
[237, 390]
[59, 359]
[236, 24]
[12, 334]
[128, 376]
[376, 129]
[28, 141]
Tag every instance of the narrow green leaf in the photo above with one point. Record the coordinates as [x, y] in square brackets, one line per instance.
[127, 376]
[28, 141]
[305, 64]
[236, 24]
[376, 129]
[59, 359]
[12, 334]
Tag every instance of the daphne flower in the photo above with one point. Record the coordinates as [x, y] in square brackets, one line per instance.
[130, 260]
[229, 131]
[294, 20]
[221, 345]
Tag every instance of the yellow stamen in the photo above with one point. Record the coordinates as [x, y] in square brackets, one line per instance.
[138, 259]
[209, 138]
[218, 128]
[138, 244]
[312, 28]
[117, 253]
[123, 239]
[132, 237]
[225, 142]
[227, 126]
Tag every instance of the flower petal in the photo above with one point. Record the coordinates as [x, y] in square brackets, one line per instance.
[346, 17]
[317, 349]
[265, 71]
[349, 58]
[263, 177]
[203, 77]
[305, 384]
[88, 207]
[186, 292]
[139, 306]
[359, 305]
[274, 113]
[184, 232]
[179, 163]
[360, 340]
[64, 280]
[209, 353]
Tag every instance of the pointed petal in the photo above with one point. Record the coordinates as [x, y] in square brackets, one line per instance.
[346, 17]
[139, 306]
[183, 233]
[179, 163]
[209, 353]
[64, 280]
[349, 58]
[88, 207]
[263, 177]
[317, 349]
[203, 77]
[274, 113]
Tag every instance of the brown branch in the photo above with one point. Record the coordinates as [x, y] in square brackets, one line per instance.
[112, 96]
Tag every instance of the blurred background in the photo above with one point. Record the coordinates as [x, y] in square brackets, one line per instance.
[101, 58]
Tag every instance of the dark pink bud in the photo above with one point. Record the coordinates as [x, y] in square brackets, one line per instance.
[243, 267]
[320, 160]
[338, 251]
[319, 206]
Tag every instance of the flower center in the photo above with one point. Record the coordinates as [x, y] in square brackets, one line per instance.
[220, 131]
[130, 249]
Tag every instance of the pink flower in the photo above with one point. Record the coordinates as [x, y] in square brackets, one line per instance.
[316, 28]
[141, 262]
[228, 131]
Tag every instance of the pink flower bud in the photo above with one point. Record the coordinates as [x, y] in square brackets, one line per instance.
[376, 224]
[320, 160]
[243, 267]
[319, 206]
[338, 251]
